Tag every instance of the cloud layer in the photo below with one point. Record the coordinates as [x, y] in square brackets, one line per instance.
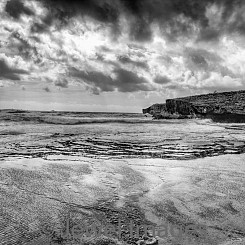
[175, 17]
[124, 46]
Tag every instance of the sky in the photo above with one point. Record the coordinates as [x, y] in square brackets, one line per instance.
[117, 55]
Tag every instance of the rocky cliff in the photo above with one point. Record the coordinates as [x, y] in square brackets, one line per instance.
[227, 107]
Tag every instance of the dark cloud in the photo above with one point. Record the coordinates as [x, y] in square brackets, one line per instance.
[209, 34]
[175, 17]
[10, 73]
[45, 23]
[127, 60]
[232, 20]
[97, 79]
[126, 81]
[162, 80]
[165, 13]
[62, 83]
[16, 8]
[211, 56]
[99, 57]
[104, 11]
[140, 30]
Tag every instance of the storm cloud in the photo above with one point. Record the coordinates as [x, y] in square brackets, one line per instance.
[95, 78]
[125, 46]
[125, 81]
[16, 8]
[128, 81]
[175, 17]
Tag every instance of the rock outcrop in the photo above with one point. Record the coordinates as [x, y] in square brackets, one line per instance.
[156, 108]
[224, 107]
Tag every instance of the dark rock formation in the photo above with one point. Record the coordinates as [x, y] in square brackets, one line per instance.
[220, 107]
[156, 108]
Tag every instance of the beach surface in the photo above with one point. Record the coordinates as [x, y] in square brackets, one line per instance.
[120, 168]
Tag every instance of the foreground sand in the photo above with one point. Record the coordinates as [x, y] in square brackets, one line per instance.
[38, 193]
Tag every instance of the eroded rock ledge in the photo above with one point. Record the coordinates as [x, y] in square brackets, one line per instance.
[220, 107]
